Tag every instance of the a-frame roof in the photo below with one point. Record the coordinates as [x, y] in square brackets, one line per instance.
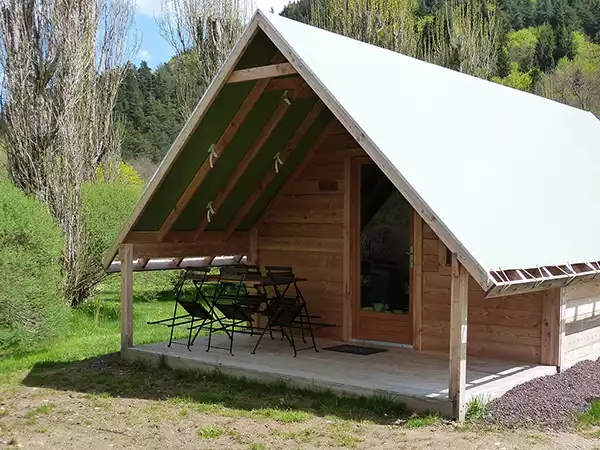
[508, 180]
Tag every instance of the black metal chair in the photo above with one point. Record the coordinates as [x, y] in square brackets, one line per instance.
[286, 311]
[235, 304]
[195, 308]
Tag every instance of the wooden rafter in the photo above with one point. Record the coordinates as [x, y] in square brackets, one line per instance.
[257, 73]
[219, 148]
[299, 168]
[284, 155]
[249, 156]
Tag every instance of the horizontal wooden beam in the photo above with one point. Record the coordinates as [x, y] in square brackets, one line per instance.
[257, 73]
[238, 244]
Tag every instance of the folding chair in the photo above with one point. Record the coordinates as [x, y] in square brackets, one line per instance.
[194, 309]
[286, 311]
[233, 302]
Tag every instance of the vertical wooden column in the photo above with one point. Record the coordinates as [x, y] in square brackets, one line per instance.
[553, 307]
[349, 251]
[253, 256]
[459, 293]
[417, 282]
[126, 257]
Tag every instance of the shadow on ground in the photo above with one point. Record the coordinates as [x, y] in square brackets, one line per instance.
[109, 376]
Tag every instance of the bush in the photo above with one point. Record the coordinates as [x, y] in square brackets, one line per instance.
[106, 206]
[32, 310]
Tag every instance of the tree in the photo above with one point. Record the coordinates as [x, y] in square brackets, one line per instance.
[390, 24]
[62, 63]
[465, 37]
[576, 82]
[202, 33]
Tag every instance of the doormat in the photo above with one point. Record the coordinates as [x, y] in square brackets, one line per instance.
[355, 349]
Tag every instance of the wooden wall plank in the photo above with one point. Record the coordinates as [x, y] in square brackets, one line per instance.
[579, 332]
[495, 325]
[305, 228]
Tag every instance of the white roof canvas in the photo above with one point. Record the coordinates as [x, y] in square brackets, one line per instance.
[513, 177]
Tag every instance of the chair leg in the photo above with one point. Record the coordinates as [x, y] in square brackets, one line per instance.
[190, 335]
[291, 339]
[210, 333]
[312, 335]
[260, 339]
[173, 324]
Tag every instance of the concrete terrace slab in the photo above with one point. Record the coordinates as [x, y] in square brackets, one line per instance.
[418, 379]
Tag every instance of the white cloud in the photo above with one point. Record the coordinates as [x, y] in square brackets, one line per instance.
[148, 7]
[144, 55]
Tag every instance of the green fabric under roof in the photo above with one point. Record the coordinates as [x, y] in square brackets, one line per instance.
[259, 52]
[193, 155]
[218, 177]
[285, 171]
[262, 163]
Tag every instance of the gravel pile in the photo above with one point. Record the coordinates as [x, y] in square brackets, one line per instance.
[549, 401]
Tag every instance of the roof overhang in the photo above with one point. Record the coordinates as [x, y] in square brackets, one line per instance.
[494, 283]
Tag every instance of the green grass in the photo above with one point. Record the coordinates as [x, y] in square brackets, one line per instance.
[94, 328]
[210, 432]
[423, 421]
[41, 410]
[476, 409]
[82, 362]
[591, 417]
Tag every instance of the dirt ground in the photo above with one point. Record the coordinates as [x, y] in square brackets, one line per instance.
[37, 418]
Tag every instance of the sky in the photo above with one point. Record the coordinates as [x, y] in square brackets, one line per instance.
[153, 48]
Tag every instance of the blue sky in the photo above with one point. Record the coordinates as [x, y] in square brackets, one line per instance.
[153, 48]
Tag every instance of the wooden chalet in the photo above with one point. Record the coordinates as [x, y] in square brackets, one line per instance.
[448, 218]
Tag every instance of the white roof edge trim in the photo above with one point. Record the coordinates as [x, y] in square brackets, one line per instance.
[482, 277]
[179, 143]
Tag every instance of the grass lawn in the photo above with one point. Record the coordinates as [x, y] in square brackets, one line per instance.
[79, 394]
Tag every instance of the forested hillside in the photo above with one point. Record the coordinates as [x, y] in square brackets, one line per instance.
[148, 111]
[548, 47]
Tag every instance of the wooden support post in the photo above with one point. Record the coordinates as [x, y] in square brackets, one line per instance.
[459, 293]
[253, 256]
[350, 242]
[417, 282]
[552, 327]
[126, 256]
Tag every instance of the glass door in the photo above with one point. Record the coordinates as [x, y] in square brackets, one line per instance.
[385, 260]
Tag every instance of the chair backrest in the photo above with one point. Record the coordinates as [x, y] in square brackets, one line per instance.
[237, 273]
[197, 274]
[279, 270]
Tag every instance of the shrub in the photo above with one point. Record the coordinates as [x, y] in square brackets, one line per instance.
[32, 310]
[106, 206]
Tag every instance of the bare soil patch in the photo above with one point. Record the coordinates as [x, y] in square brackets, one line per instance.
[100, 404]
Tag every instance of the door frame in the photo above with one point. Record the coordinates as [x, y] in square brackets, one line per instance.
[352, 311]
